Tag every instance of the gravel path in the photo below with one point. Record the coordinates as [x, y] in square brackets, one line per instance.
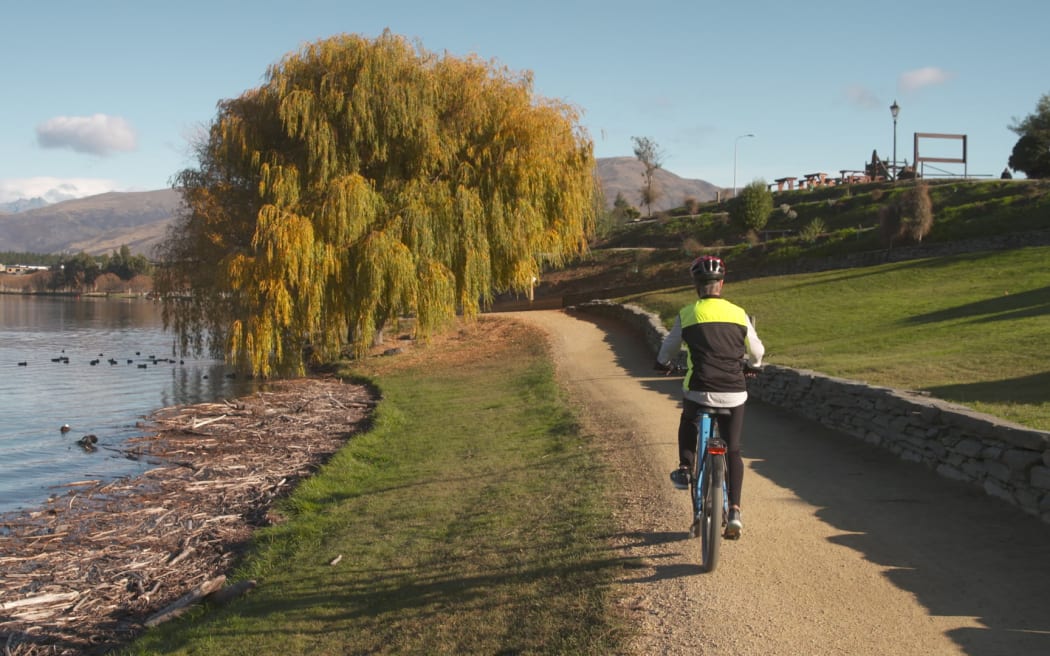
[846, 549]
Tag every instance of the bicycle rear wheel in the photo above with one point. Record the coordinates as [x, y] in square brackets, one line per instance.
[711, 520]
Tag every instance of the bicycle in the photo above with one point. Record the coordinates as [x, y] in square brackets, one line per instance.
[707, 488]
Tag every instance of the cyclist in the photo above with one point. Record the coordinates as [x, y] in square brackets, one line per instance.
[718, 335]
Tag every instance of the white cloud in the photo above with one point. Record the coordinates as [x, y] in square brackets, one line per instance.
[862, 97]
[98, 134]
[923, 77]
[52, 190]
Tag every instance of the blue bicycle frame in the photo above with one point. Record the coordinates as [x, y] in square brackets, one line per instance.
[704, 432]
[709, 491]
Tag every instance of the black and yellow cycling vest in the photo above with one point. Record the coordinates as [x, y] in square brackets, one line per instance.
[715, 334]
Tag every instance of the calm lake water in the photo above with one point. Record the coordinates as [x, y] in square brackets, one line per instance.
[135, 373]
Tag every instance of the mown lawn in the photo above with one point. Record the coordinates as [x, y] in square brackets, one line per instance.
[469, 520]
[973, 329]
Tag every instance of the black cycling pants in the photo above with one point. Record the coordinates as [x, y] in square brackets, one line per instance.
[730, 428]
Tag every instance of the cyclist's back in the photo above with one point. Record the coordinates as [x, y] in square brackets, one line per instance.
[718, 336]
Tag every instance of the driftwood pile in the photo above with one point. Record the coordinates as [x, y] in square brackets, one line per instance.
[105, 559]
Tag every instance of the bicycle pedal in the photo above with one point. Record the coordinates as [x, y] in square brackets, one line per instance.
[694, 530]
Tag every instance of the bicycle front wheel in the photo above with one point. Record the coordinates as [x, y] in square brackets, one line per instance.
[711, 520]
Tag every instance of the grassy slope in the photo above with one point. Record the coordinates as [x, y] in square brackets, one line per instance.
[972, 329]
[963, 210]
[470, 520]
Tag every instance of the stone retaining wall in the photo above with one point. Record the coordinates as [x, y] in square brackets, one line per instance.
[1006, 460]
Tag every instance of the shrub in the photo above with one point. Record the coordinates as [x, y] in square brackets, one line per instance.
[751, 210]
[812, 230]
[909, 218]
[786, 253]
[692, 246]
[889, 224]
[917, 211]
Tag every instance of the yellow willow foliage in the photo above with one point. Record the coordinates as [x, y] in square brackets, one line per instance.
[280, 183]
[382, 283]
[367, 179]
[437, 284]
[349, 206]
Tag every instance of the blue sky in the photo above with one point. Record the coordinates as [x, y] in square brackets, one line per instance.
[106, 95]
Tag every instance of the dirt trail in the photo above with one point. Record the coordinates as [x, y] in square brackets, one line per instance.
[846, 549]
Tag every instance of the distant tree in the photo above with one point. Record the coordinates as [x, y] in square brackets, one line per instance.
[125, 265]
[32, 259]
[691, 205]
[620, 213]
[624, 209]
[39, 281]
[140, 284]
[751, 209]
[364, 180]
[651, 157]
[1031, 153]
[76, 272]
[110, 283]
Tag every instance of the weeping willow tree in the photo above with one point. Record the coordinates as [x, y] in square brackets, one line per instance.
[366, 179]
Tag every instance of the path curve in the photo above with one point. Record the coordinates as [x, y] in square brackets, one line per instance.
[846, 549]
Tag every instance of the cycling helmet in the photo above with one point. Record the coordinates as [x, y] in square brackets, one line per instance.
[708, 268]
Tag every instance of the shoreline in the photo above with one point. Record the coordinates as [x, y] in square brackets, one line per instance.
[88, 570]
[146, 296]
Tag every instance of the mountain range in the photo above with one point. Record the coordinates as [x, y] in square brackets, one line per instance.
[102, 224]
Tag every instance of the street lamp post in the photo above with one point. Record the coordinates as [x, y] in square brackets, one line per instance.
[894, 110]
[736, 142]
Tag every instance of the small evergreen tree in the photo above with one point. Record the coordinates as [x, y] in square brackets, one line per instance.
[751, 209]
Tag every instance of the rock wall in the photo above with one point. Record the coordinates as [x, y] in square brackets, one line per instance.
[1006, 460]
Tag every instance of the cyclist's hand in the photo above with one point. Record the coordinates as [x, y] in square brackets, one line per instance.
[751, 371]
[666, 369]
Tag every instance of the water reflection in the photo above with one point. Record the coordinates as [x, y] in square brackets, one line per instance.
[98, 365]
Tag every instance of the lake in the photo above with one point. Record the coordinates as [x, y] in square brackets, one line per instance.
[98, 365]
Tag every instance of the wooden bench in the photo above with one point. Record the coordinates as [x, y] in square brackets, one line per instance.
[849, 176]
[815, 179]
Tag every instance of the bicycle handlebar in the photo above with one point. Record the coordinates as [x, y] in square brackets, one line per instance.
[676, 368]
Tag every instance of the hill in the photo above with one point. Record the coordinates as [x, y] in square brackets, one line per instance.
[94, 225]
[101, 224]
[626, 175]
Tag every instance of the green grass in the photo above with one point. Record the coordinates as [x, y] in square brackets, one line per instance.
[470, 519]
[973, 329]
